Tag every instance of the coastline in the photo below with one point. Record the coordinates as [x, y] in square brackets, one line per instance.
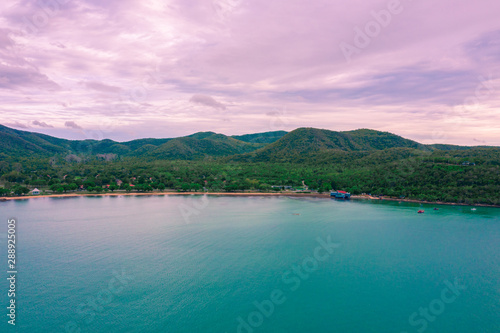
[240, 194]
[237, 194]
[440, 203]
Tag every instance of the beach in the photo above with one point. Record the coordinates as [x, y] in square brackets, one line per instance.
[240, 194]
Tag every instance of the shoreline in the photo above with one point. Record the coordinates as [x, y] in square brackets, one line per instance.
[360, 197]
[230, 194]
[240, 194]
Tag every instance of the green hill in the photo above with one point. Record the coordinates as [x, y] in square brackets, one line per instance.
[360, 161]
[305, 144]
[16, 143]
[267, 137]
[201, 146]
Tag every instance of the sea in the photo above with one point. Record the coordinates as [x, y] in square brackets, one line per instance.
[197, 263]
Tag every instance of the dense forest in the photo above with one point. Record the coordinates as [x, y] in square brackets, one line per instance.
[362, 161]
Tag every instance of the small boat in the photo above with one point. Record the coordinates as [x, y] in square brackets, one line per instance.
[340, 195]
[421, 211]
[473, 209]
[436, 208]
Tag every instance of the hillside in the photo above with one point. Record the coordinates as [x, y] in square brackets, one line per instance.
[360, 161]
[304, 144]
[201, 147]
[267, 137]
[16, 143]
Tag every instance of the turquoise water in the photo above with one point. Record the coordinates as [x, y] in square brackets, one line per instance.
[238, 264]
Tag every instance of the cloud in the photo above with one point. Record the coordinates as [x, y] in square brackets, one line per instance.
[16, 124]
[20, 77]
[59, 45]
[98, 86]
[163, 63]
[5, 39]
[41, 124]
[485, 48]
[72, 124]
[207, 101]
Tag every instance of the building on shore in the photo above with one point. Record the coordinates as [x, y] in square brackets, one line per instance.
[340, 194]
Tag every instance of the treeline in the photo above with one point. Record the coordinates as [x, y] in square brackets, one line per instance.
[462, 176]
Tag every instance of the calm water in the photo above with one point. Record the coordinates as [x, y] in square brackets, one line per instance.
[227, 264]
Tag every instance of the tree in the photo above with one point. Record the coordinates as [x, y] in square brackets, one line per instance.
[88, 183]
[195, 187]
[264, 187]
[20, 190]
[54, 187]
[324, 188]
[54, 181]
[4, 192]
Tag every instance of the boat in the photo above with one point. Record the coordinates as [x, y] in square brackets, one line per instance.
[436, 208]
[421, 211]
[340, 195]
[473, 209]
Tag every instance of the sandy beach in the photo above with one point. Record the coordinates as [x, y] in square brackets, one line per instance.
[238, 194]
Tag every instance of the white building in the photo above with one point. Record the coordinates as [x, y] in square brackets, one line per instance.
[35, 191]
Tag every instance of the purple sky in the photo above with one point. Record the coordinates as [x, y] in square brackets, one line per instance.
[125, 69]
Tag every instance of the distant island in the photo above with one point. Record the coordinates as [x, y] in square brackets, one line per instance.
[305, 161]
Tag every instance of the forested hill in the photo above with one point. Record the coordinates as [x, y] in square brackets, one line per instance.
[360, 161]
[16, 143]
[310, 143]
[278, 146]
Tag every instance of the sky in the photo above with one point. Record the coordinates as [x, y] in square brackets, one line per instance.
[125, 69]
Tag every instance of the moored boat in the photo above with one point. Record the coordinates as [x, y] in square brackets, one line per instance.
[340, 195]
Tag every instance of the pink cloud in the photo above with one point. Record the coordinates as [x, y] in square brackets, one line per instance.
[161, 62]
[207, 101]
[102, 87]
[72, 124]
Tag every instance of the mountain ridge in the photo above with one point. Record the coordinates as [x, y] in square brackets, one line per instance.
[276, 146]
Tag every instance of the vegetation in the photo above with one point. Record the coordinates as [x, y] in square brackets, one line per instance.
[362, 161]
